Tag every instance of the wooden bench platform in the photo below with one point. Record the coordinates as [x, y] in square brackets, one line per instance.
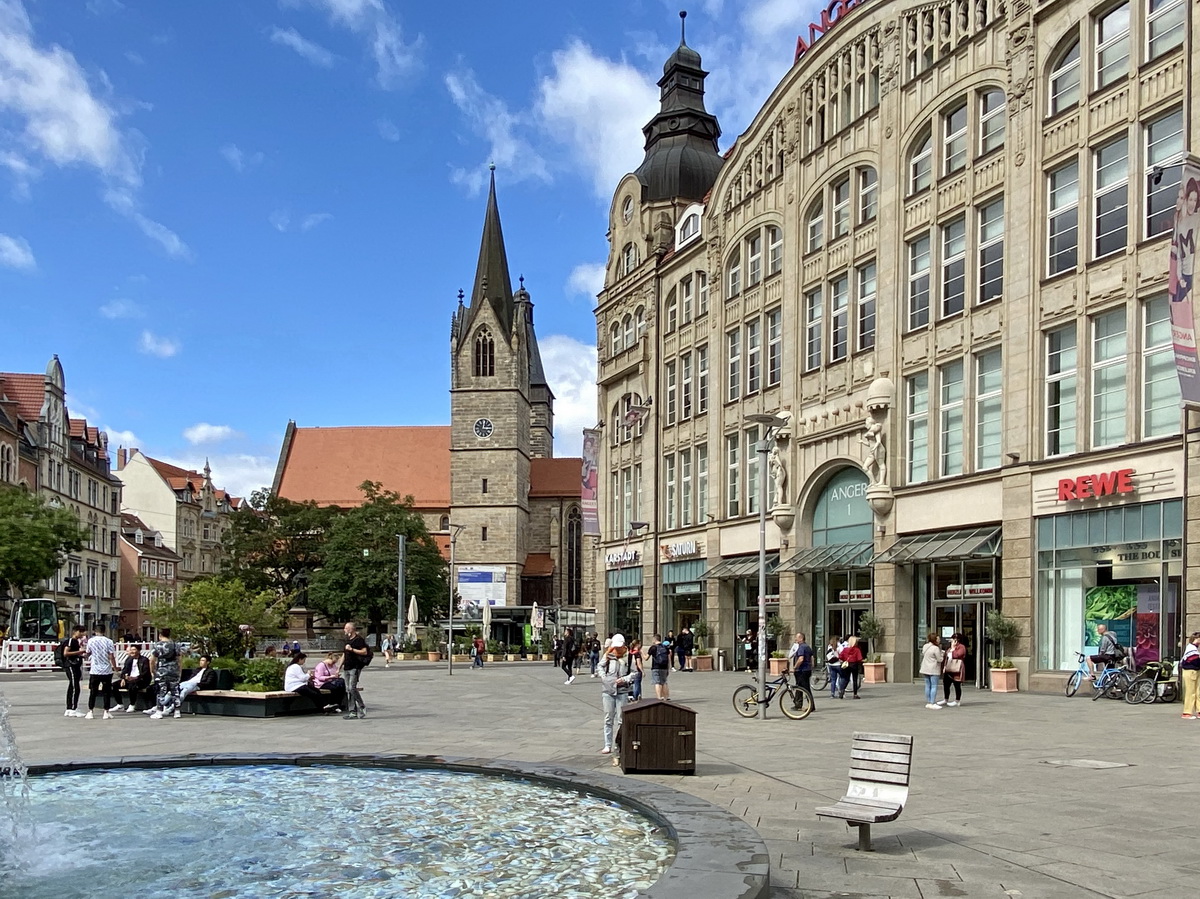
[880, 766]
[238, 704]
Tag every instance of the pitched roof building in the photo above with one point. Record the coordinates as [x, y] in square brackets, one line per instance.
[149, 572]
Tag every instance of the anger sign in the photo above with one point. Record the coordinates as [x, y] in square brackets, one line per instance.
[830, 16]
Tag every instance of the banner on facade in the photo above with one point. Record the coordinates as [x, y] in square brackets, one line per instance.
[1182, 281]
[591, 480]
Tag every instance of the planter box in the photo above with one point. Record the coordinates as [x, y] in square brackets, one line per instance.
[510, 657]
[1003, 680]
[702, 663]
[777, 666]
[433, 656]
[874, 673]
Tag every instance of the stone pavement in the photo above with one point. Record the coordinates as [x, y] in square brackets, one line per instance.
[988, 815]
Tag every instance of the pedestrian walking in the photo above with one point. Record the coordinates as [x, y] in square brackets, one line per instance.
[477, 650]
[164, 668]
[103, 656]
[1189, 673]
[73, 652]
[660, 667]
[639, 671]
[932, 657]
[833, 663]
[954, 670]
[557, 646]
[801, 655]
[616, 676]
[355, 657]
[593, 652]
[851, 672]
[389, 650]
[569, 650]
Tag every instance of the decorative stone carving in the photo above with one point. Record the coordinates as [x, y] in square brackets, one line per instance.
[779, 473]
[873, 439]
[889, 55]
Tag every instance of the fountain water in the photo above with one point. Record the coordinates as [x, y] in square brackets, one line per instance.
[14, 791]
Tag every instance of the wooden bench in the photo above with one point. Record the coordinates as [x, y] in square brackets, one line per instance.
[239, 704]
[880, 765]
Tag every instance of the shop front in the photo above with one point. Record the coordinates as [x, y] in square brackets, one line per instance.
[623, 581]
[682, 573]
[740, 574]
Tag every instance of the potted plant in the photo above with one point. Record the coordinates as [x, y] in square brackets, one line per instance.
[431, 643]
[702, 660]
[494, 650]
[514, 650]
[778, 662]
[870, 628]
[1003, 676]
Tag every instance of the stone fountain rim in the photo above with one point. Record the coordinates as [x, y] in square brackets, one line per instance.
[717, 854]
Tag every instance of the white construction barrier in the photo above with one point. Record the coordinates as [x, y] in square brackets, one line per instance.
[25, 655]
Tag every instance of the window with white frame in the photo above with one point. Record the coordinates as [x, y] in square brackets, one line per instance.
[701, 380]
[7, 468]
[733, 370]
[685, 386]
[1165, 28]
[690, 227]
[753, 356]
[1061, 390]
[868, 195]
[701, 294]
[954, 139]
[991, 251]
[774, 250]
[950, 408]
[991, 120]
[1112, 197]
[753, 259]
[1064, 80]
[672, 391]
[637, 492]
[628, 325]
[865, 298]
[735, 274]
[732, 471]
[639, 321]
[988, 409]
[812, 329]
[1063, 230]
[701, 483]
[916, 426]
[954, 266]
[685, 488]
[626, 499]
[1108, 378]
[841, 209]
[918, 282]
[1112, 45]
[753, 485]
[920, 165]
[774, 347]
[670, 500]
[1160, 383]
[815, 225]
[839, 318]
[1164, 170]
[629, 259]
[672, 313]
[687, 299]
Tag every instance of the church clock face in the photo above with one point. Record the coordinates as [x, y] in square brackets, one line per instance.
[483, 428]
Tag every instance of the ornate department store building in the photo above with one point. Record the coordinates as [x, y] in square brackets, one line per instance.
[939, 257]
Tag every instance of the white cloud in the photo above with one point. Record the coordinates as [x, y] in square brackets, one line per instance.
[280, 219]
[127, 439]
[153, 345]
[388, 130]
[238, 159]
[314, 53]
[121, 308]
[135, 58]
[311, 221]
[206, 433]
[124, 202]
[571, 371]
[16, 253]
[373, 22]
[586, 279]
[596, 107]
[490, 118]
[237, 473]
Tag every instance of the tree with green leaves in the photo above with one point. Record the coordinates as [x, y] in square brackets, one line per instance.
[358, 579]
[213, 614]
[35, 538]
[272, 541]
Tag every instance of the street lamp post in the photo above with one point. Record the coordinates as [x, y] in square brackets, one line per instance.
[455, 530]
[770, 423]
[400, 560]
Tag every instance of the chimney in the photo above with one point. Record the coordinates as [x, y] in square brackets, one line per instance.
[121, 458]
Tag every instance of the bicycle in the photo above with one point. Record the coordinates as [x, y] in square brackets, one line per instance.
[1112, 682]
[794, 702]
[1155, 682]
[820, 676]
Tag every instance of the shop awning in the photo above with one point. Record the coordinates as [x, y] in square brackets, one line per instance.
[944, 546]
[742, 566]
[834, 557]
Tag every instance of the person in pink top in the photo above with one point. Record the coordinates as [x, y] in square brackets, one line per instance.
[325, 677]
[954, 670]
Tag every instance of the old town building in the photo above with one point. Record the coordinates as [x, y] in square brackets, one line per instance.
[149, 573]
[935, 269]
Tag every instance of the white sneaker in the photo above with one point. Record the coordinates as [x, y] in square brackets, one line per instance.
[67, 714]
[606, 750]
[130, 708]
[932, 705]
[156, 715]
[149, 711]
[177, 715]
[941, 702]
[107, 714]
[952, 702]
[89, 715]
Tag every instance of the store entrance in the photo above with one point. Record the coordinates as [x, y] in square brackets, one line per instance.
[843, 620]
[964, 618]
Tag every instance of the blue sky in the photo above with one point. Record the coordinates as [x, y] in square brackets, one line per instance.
[223, 215]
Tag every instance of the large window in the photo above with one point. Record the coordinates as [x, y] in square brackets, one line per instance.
[951, 410]
[672, 375]
[988, 384]
[991, 251]
[702, 483]
[774, 250]
[733, 355]
[735, 274]
[812, 329]
[866, 306]
[916, 426]
[752, 479]
[733, 466]
[954, 266]
[1165, 27]
[1064, 80]
[920, 165]
[701, 380]
[670, 500]
[1160, 383]
[753, 356]
[841, 208]
[1063, 249]
[685, 488]
[918, 282]
[774, 347]
[1112, 197]
[485, 354]
[1061, 391]
[672, 313]
[815, 228]
[574, 557]
[754, 260]
[1164, 170]
[868, 195]
[686, 386]
[1112, 45]
[1108, 378]
[839, 318]
[991, 120]
[954, 139]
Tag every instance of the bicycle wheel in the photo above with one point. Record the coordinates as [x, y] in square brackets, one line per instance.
[820, 678]
[1118, 685]
[745, 700]
[1141, 690]
[1100, 685]
[1073, 683]
[1170, 691]
[795, 703]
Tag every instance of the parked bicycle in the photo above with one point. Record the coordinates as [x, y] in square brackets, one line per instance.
[794, 702]
[1113, 681]
[1154, 683]
[820, 676]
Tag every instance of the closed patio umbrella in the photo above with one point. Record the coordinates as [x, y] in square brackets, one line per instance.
[487, 620]
[410, 626]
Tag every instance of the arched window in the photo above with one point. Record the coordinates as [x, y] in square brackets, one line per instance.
[735, 274]
[615, 338]
[672, 312]
[868, 194]
[444, 523]
[815, 224]
[639, 321]
[627, 322]
[991, 120]
[1064, 79]
[574, 557]
[691, 227]
[774, 250]
[485, 354]
[920, 164]
[629, 259]
[8, 472]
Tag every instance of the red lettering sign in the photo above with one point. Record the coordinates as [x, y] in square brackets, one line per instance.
[830, 16]
[1091, 486]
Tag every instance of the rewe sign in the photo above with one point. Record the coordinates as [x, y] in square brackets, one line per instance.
[1092, 486]
[830, 16]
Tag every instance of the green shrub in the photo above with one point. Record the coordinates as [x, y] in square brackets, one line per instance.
[265, 671]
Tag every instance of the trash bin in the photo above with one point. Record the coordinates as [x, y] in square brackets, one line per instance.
[658, 735]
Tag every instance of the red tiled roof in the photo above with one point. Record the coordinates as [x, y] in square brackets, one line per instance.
[27, 391]
[328, 464]
[538, 565]
[129, 520]
[179, 478]
[79, 427]
[556, 477]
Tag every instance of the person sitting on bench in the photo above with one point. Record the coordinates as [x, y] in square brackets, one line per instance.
[325, 677]
[204, 679]
[135, 678]
[297, 680]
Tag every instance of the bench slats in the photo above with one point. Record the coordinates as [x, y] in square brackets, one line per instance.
[903, 739]
[860, 813]
[882, 777]
[892, 764]
[856, 752]
[880, 768]
[890, 748]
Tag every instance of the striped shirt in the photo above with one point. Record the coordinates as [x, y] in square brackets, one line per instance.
[101, 650]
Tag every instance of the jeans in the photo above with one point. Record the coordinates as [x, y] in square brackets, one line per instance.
[594, 658]
[354, 700]
[636, 692]
[566, 667]
[835, 677]
[100, 684]
[74, 675]
[931, 685]
[477, 662]
[682, 657]
[613, 708]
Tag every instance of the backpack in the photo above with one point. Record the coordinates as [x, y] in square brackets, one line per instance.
[1119, 653]
[366, 660]
[60, 653]
[662, 656]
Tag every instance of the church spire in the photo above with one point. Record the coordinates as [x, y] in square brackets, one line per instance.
[492, 282]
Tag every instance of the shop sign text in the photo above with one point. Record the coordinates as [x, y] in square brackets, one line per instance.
[681, 550]
[830, 16]
[1093, 486]
[971, 591]
[624, 557]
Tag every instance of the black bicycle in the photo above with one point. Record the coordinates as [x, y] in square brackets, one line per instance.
[794, 702]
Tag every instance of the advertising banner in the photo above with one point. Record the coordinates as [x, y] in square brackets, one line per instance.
[591, 480]
[1182, 281]
[478, 584]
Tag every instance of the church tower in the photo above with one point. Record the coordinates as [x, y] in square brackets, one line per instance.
[501, 416]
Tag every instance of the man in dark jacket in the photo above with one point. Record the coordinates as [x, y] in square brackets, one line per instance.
[570, 649]
[683, 649]
[354, 659]
[135, 678]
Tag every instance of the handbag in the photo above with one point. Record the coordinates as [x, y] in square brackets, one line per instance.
[953, 665]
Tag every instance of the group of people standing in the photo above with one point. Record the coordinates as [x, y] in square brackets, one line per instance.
[944, 666]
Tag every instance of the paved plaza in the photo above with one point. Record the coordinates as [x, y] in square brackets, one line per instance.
[993, 811]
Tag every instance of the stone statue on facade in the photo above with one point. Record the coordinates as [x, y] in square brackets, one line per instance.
[874, 460]
[778, 469]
